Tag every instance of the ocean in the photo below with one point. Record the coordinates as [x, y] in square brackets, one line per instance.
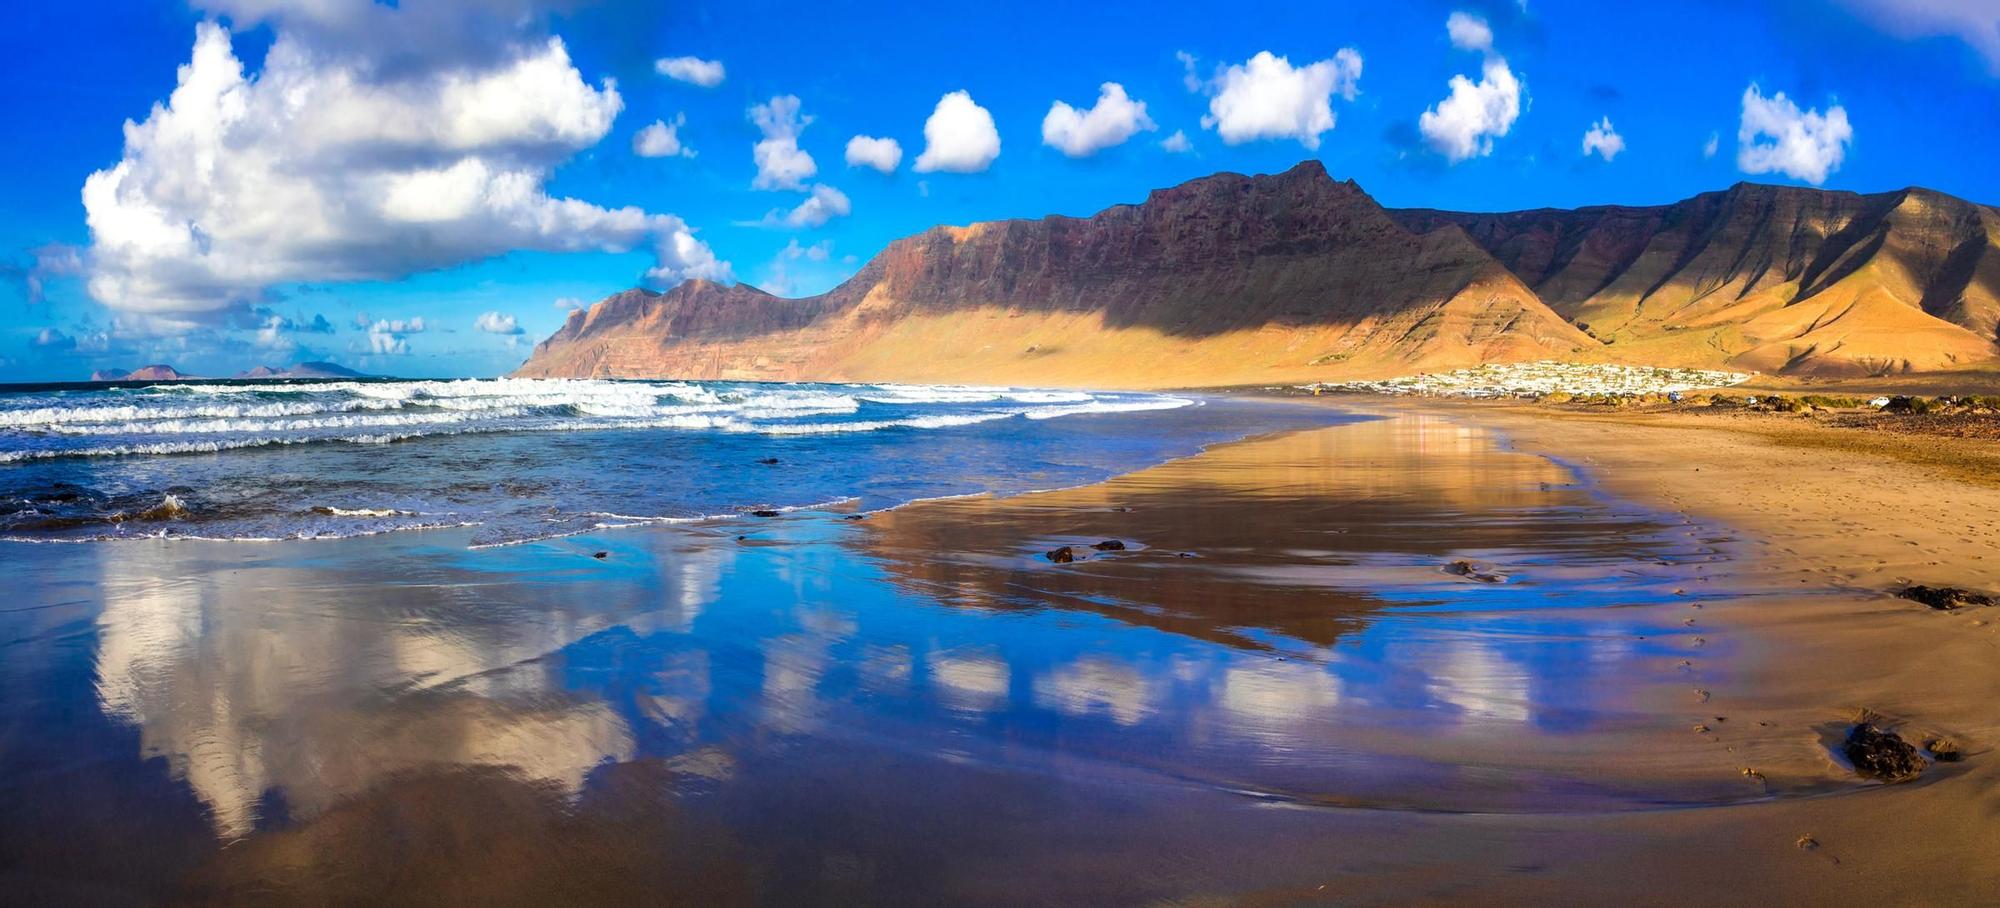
[526, 459]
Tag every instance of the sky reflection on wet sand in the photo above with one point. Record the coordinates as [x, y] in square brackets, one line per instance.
[826, 707]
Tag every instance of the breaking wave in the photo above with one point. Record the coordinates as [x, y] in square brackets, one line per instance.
[526, 459]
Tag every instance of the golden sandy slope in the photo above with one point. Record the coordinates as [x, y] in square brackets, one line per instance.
[1766, 278]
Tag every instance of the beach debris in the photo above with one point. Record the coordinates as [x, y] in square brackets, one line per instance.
[1807, 843]
[1063, 555]
[1881, 754]
[600, 555]
[764, 512]
[1700, 729]
[1701, 695]
[1108, 545]
[1945, 598]
[1187, 555]
[1945, 749]
[1471, 571]
[1752, 774]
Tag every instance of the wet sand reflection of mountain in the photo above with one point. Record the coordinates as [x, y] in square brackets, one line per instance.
[1342, 524]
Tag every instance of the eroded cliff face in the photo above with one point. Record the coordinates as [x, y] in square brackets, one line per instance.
[1234, 279]
[1764, 277]
[1226, 279]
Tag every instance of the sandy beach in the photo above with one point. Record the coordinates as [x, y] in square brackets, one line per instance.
[1279, 691]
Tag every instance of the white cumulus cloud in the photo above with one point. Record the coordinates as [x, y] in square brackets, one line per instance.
[868, 151]
[1268, 98]
[1469, 32]
[1777, 137]
[497, 323]
[1713, 145]
[1603, 140]
[781, 163]
[693, 70]
[1464, 124]
[1082, 133]
[359, 152]
[1176, 143]
[662, 140]
[959, 137]
[824, 204]
[1976, 22]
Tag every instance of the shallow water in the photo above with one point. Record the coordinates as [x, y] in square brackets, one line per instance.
[523, 459]
[916, 707]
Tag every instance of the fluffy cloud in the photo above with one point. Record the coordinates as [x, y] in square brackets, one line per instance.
[781, 164]
[1776, 136]
[1176, 143]
[693, 70]
[817, 252]
[1268, 98]
[49, 261]
[959, 137]
[397, 326]
[1602, 140]
[824, 204]
[570, 304]
[1713, 145]
[1464, 124]
[869, 151]
[51, 339]
[496, 323]
[1469, 32]
[1082, 133]
[373, 144]
[662, 140]
[1976, 22]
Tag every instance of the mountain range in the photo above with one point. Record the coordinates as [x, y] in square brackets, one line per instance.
[1295, 276]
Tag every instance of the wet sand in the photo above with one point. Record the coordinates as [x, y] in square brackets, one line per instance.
[1275, 694]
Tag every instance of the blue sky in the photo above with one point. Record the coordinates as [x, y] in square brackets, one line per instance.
[416, 189]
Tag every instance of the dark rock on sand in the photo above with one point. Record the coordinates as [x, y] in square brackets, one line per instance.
[1945, 750]
[1945, 598]
[1471, 571]
[1880, 754]
[1109, 545]
[764, 512]
[855, 517]
[1063, 555]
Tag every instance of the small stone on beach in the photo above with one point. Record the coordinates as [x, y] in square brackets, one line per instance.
[1945, 598]
[1471, 571]
[600, 555]
[1881, 754]
[1063, 555]
[1109, 545]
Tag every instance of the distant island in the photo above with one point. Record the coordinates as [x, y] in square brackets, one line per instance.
[155, 372]
[304, 370]
[163, 372]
